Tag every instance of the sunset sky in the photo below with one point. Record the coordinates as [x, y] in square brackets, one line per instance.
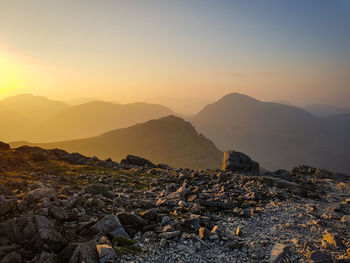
[129, 50]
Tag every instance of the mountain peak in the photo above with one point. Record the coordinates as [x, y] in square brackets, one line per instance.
[237, 96]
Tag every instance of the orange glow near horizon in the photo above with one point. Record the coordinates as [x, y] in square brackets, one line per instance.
[10, 75]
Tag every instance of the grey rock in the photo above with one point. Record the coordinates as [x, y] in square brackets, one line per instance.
[85, 253]
[39, 193]
[238, 162]
[277, 252]
[109, 225]
[131, 220]
[105, 253]
[47, 233]
[320, 257]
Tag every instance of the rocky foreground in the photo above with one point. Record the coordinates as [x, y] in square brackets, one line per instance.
[60, 207]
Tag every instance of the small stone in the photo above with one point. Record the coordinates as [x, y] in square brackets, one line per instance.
[320, 257]
[165, 220]
[331, 239]
[203, 233]
[103, 240]
[182, 203]
[198, 245]
[276, 252]
[170, 235]
[105, 253]
[238, 231]
[163, 242]
[213, 236]
[181, 247]
[168, 228]
[345, 219]
[324, 216]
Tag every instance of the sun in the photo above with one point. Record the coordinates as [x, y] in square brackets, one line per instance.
[11, 75]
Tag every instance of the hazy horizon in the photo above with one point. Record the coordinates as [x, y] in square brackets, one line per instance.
[134, 51]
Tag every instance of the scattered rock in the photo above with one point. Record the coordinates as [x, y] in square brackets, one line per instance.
[54, 206]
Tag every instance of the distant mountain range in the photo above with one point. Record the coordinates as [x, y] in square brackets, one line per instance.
[95, 118]
[276, 135]
[35, 118]
[35, 108]
[323, 110]
[169, 140]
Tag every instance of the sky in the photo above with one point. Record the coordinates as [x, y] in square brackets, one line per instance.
[293, 50]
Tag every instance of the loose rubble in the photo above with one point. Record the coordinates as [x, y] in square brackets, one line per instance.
[59, 207]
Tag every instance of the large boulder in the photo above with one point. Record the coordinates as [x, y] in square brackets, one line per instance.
[135, 160]
[131, 220]
[239, 162]
[39, 193]
[4, 146]
[109, 225]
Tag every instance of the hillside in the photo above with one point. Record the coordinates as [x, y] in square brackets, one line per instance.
[35, 108]
[169, 140]
[277, 135]
[94, 118]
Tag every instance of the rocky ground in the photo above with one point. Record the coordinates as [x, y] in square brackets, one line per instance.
[60, 207]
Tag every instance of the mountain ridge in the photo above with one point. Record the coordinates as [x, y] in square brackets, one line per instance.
[168, 140]
[275, 134]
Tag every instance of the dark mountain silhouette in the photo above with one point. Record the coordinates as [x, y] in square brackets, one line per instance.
[323, 110]
[276, 135]
[35, 108]
[95, 118]
[169, 140]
